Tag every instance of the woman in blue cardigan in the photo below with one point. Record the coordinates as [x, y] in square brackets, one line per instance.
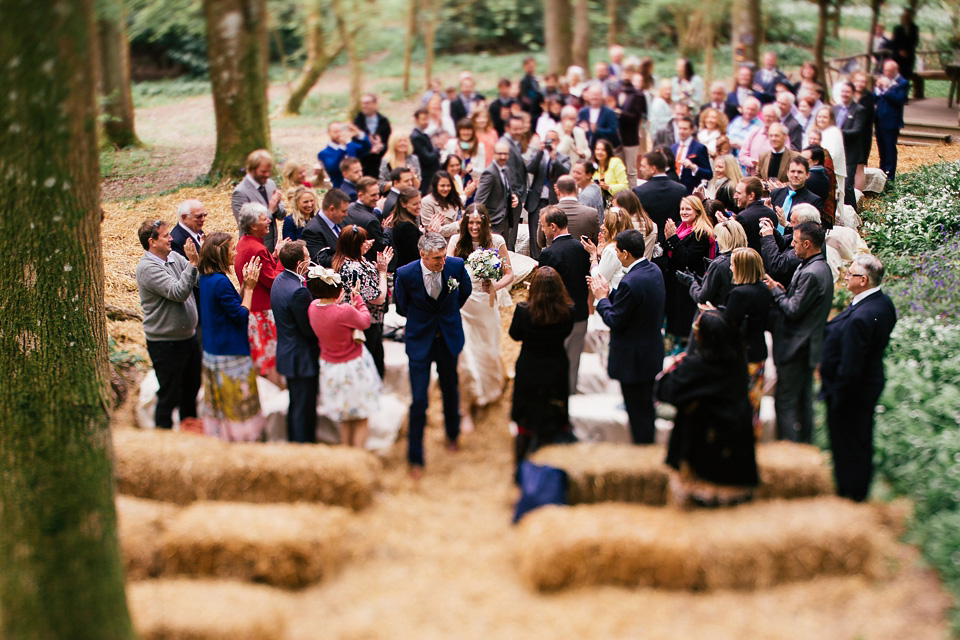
[231, 401]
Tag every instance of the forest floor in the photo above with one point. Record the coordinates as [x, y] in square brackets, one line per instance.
[436, 559]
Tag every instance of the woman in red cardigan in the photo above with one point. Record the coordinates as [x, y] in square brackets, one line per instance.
[349, 382]
[254, 224]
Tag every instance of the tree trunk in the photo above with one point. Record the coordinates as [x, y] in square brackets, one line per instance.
[408, 45]
[875, 6]
[820, 42]
[237, 51]
[115, 83]
[557, 35]
[611, 23]
[581, 35]
[322, 48]
[62, 574]
[746, 32]
[708, 38]
[348, 30]
[835, 17]
[431, 10]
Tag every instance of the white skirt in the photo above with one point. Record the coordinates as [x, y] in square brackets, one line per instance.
[350, 390]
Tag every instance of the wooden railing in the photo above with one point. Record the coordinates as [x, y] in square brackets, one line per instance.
[931, 65]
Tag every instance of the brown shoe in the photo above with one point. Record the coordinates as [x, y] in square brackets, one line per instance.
[416, 472]
[452, 446]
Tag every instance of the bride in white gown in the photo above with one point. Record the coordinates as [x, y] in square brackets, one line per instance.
[480, 368]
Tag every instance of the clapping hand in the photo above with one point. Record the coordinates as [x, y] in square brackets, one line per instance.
[706, 306]
[366, 246]
[773, 183]
[251, 273]
[599, 286]
[190, 249]
[771, 283]
[383, 259]
[436, 222]
[274, 201]
[684, 277]
[669, 228]
[470, 188]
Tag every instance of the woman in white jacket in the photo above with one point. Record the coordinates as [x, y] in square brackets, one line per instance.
[831, 139]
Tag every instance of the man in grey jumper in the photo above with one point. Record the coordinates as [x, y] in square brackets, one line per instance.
[166, 280]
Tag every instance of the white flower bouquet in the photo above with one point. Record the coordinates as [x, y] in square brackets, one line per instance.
[486, 264]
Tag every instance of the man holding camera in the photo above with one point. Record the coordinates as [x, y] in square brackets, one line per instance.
[546, 167]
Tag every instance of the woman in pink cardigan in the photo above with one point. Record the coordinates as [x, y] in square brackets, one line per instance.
[349, 382]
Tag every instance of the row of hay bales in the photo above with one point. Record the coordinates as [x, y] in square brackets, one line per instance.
[752, 546]
[183, 468]
[605, 472]
[283, 545]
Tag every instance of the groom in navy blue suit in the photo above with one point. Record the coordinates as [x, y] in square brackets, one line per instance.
[430, 292]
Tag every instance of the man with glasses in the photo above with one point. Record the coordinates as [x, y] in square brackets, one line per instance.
[496, 193]
[852, 374]
[190, 226]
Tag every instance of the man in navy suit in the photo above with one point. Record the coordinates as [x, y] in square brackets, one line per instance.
[598, 120]
[693, 158]
[298, 351]
[852, 374]
[323, 230]
[769, 76]
[346, 139]
[634, 312]
[192, 216]
[352, 171]
[891, 96]
[430, 292]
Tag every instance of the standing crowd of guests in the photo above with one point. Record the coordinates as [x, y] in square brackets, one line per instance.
[690, 219]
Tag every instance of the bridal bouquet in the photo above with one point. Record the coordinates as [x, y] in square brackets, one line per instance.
[485, 264]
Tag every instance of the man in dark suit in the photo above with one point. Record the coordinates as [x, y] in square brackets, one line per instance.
[906, 37]
[659, 195]
[780, 261]
[693, 158]
[257, 186]
[572, 262]
[598, 120]
[346, 140]
[190, 227]
[798, 332]
[782, 199]
[531, 97]
[745, 88]
[546, 166]
[775, 163]
[399, 178]
[378, 130]
[352, 171]
[298, 352]
[852, 120]
[718, 101]
[668, 134]
[500, 107]
[852, 375]
[581, 219]
[495, 191]
[818, 182]
[427, 154]
[891, 96]
[631, 110]
[430, 292]
[769, 76]
[323, 230]
[634, 313]
[517, 173]
[467, 100]
[363, 213]
[748, 196]
[785, 105]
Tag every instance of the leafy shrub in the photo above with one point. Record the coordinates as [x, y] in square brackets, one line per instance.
[933, 290]
[498, 25]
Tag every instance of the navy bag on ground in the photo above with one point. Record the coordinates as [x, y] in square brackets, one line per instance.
[539, 485]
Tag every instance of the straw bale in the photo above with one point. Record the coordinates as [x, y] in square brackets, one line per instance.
[140, 525]
[182, 468]
[282, 545]
[753, 546]
[183, 609]
[608, 472]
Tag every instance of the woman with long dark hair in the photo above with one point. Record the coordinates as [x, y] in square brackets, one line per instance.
[541, 389]
[480, 367]
[611, 174]
[369, 279]
[441, 209]
[463, 182]
[711, 448]
[466, 146]
[405, 228]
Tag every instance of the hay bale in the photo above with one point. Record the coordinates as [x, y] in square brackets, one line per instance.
[752, 546]
[282, 545]
[608, 472]
[140, 526]
[182, 468]
[207, 610]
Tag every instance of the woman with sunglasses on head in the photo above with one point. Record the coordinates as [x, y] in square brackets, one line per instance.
[370, 280]
[480, 367]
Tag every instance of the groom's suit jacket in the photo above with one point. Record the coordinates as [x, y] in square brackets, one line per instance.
[427, 317]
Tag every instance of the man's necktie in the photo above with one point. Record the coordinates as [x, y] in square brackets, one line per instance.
[680, 151]
[336, 230]
[434, 281]
[787, 204]
[263, 194]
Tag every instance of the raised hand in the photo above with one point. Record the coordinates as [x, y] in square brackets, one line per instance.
[190, 249]
[251, 273]
[383, 259]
